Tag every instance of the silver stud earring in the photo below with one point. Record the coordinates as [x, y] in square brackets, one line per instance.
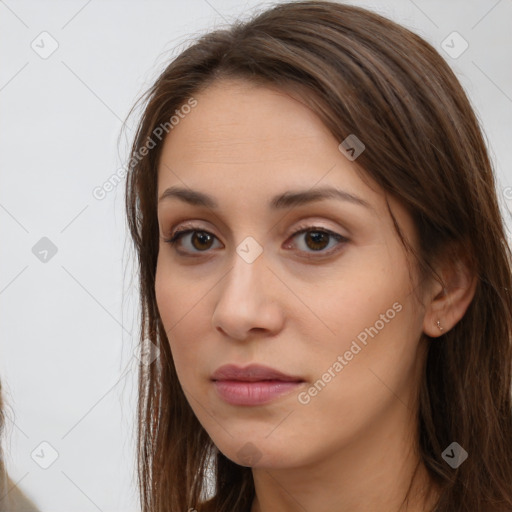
[439, 325]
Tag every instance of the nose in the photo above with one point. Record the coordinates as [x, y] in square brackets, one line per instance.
[248, 301]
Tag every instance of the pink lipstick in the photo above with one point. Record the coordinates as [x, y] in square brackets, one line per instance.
[252, 385]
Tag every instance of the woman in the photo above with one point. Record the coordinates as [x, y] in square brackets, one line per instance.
[324, 269]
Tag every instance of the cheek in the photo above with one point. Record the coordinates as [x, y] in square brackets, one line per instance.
[179, 297]
[365, 297]
[369, 320]
[372, 360]
[180, 304]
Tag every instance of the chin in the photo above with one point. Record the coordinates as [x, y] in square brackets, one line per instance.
[257, 453]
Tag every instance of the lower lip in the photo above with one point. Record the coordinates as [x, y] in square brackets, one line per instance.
[237, 392]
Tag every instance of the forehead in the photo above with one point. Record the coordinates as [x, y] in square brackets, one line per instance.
[241, 133]
[234, 119]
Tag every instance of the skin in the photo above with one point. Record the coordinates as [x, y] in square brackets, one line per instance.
[352, 447]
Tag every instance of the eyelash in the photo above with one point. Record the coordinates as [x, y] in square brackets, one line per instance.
[180, 233]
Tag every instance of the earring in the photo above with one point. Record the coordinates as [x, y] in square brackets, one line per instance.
[439, 325]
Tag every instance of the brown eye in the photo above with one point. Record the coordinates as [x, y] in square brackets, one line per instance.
[317, 240]
[201, 240]
[321, 240]
[194, 240]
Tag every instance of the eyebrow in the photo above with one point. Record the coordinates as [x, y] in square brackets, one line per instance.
[282, 201]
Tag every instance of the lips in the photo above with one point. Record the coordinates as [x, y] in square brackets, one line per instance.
[252, 373]
[254, 385]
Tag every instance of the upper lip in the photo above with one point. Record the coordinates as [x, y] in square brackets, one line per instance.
[252, 373]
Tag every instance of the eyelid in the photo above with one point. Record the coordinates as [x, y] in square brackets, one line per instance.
[311, 226]
[303, 225]
[185, 226]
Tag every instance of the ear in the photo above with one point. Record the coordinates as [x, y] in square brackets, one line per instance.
[447, 302]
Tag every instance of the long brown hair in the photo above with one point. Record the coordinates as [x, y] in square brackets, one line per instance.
[362, 74]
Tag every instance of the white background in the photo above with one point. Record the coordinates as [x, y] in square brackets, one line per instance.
[69, 326]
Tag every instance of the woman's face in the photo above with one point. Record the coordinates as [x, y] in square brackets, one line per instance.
[277, 274]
